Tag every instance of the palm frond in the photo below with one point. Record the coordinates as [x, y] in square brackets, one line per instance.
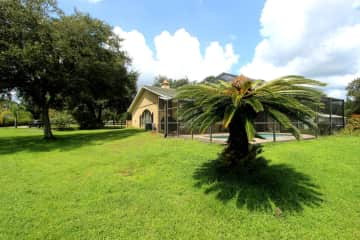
[228, 116]
[285, 122]
[256, 105]
[249, 128]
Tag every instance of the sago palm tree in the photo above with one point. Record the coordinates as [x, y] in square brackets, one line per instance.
[236, 104]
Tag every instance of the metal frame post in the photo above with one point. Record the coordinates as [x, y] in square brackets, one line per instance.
[165, 135]
[274, 131]
[343, 113]
[158, 127]
[167, 117]
[317, 122]
[177, 118]
[330, 116]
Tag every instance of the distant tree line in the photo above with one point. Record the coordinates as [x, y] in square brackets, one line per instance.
[176, 83]
[13, 113]
[57, 61]
[353, 97]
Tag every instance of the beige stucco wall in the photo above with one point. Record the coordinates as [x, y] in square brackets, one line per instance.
[147, 101]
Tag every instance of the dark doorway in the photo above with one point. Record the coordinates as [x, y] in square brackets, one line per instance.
[146, 120]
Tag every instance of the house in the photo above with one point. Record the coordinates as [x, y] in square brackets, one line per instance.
[151, 105]
[155, 108]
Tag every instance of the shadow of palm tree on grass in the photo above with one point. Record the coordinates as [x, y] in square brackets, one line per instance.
[65, 142]
[277, 188]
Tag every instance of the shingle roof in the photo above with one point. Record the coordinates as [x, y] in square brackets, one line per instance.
[169, 93]
[163, 92]
[227, 77]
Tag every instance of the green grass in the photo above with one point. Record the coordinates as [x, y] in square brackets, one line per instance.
[128, 184]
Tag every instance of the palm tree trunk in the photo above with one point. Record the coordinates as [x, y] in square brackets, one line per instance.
[238, 142]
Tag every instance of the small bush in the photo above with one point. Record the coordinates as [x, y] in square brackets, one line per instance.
[6, 118]
[86, 118]
[352, 126]
[60, 119]
[24, 118]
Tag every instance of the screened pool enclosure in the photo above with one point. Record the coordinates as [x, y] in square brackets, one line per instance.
[329, 119]
[155, 108]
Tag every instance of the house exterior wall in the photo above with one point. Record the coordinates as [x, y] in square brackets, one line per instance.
[147, 101]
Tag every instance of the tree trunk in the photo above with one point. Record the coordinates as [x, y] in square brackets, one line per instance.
[238, 147]
[16, 120]
[99, 116]
[46, 121]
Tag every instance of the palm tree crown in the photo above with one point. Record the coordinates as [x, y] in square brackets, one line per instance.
[238, 103]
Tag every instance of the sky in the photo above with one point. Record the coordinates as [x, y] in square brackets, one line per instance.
[319, 39]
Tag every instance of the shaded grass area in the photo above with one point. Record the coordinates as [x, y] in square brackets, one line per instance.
[129, 184]
[64, 140]
[265, 188]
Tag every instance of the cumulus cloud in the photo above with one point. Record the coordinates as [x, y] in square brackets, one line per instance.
[176, 55]
[318, 39]
[137, 48]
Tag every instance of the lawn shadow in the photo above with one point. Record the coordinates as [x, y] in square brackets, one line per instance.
[64, 142]
[276, 188]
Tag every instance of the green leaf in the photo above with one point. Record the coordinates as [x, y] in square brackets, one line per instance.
[229, 114]
[284, 121]
[255, 104]
[237, 99]
[250, 129]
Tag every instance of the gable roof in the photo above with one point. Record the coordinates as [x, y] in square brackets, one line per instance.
[170, 93]
[163, 93]
[227, 77]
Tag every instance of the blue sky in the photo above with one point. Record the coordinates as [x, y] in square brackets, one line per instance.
[209, 20]
[262, 39]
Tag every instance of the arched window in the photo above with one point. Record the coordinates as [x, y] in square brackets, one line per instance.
[146, 119]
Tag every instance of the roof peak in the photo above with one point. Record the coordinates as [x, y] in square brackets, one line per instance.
[228, 77]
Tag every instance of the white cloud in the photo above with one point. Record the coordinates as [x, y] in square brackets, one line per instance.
[318, 39]
[176, 55]
[142, 57]
[356, 4]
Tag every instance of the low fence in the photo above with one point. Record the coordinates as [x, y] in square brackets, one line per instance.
[116, 124]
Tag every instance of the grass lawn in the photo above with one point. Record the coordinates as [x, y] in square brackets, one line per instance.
[128, 184]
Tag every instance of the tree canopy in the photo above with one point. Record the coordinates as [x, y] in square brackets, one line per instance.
[353, 92]
[54, 60]
[100, 79]
[173, 83]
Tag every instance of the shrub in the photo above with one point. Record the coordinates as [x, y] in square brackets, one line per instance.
[86, 118]
[353, 125]
[60, 119]
[24, 118]
[6, 118]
